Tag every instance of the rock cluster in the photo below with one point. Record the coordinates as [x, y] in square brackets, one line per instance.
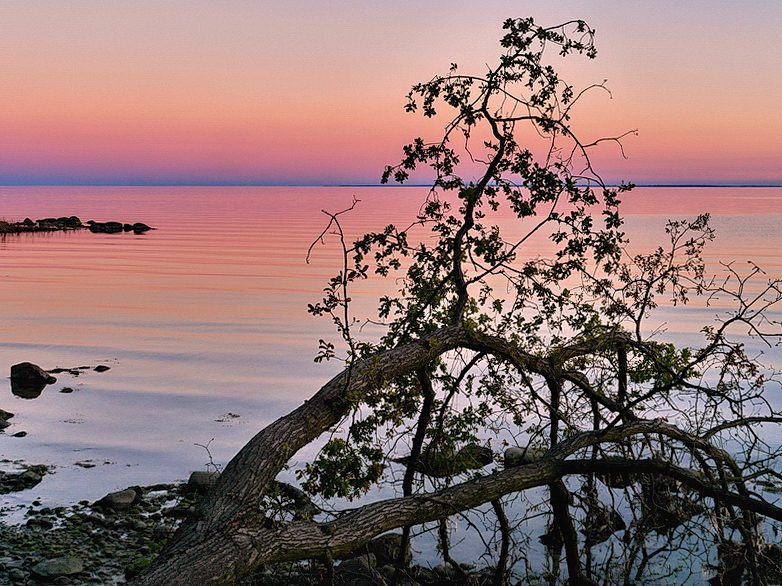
[444, 462]
[516, 456]
[89, 544]
[116, 227]
[71, 223]
[28, 477]
[28, 381]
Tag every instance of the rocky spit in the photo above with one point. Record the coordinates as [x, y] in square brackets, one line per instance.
[68, 223]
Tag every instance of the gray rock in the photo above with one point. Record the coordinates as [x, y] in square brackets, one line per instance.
[360, 571]
[69, 222]
[162, 532]
[516, 456]
[449, 572]
[443, 462]
[120, 500]
[95, 518]
[385, 548]
[300, 503]
[105, 227]
[64, 566]
[201, 481]
[30, 477]
[379, 553]
[422, 575]
[15, 481]
[5, 415]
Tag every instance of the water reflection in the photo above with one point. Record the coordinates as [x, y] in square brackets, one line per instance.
[206, 315]
[27, 391]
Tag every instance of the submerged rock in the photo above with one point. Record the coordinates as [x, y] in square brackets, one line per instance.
[384, 549]
[106, 227]
[443, 462]
[67, 223]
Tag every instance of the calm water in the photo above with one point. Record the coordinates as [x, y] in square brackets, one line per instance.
[203, 321]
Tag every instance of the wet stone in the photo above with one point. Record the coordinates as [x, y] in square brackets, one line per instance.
[119, 501]
[62, 566]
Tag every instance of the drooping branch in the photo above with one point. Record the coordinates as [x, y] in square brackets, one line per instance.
[245, 478]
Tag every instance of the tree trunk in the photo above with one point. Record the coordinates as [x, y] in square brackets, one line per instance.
[234, 501]
[228, 536]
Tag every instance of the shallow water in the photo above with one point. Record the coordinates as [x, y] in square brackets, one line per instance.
[203, 321]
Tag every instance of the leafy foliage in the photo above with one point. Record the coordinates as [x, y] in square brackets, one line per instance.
[530, 257]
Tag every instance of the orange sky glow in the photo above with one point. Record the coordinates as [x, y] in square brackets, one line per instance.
[312, 92]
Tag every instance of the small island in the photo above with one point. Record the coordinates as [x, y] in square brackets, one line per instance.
[68, 223]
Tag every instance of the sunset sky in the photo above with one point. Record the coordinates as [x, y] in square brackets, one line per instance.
[312, 92]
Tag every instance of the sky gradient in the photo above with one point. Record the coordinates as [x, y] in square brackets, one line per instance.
[312, 92]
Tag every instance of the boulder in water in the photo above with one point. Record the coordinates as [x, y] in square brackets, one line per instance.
[28, 380]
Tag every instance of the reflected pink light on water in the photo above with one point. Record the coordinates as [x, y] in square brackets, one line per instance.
[207, 313]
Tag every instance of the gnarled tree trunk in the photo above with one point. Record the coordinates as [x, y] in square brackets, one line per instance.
[229, 536]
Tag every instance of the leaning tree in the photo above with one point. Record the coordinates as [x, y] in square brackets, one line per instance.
[519, 382]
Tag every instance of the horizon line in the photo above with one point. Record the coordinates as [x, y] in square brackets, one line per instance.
[253, 184]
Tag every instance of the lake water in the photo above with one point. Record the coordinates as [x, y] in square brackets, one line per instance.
[203, 321]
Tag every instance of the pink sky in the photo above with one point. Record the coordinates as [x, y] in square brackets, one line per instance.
[311, 92]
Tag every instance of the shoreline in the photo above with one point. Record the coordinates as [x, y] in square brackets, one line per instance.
[112, 540]
[90, 544]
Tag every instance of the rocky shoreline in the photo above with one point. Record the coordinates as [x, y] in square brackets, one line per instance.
[87, 544]
[110, 541]
[70, 223]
